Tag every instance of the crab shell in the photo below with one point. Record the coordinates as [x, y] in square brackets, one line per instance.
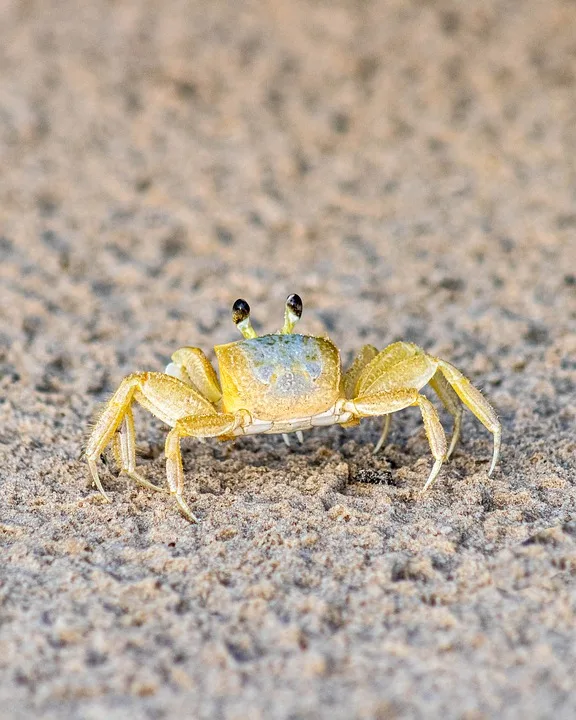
[277, 377]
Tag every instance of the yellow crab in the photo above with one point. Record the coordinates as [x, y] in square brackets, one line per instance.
[282, 383]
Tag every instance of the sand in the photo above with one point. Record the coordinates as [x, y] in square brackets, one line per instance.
[409, 169]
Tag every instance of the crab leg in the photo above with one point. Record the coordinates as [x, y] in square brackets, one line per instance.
[107, 425]
[398, 367]
[390, 368]
[476, 403]
[366, 354]
[451, 402]
[383, 434]
[199, 427]
[125, 452]
[369, 366]
[191, 365]
[405, 365]
[383, 403]
[166, 397]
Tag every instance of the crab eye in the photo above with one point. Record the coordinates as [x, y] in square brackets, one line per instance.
[292, 313]
[241, 318]
[294, 303]
[240, 311]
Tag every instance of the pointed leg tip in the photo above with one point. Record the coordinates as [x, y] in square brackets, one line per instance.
[190, 517]
[421, 494]
[185, 510]
[495, 458]
[96, 479]
[383, 435]
[133, 475]
[104, 495]
[451, 449]
[432, 477]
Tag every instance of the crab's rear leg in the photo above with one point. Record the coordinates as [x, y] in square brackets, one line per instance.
[400, 366]
[476, 403]
[370, 366]
[201, 426]
[404, 364]
[383, 435]
[384, 403]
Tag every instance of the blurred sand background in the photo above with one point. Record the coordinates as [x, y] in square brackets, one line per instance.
[409, 169]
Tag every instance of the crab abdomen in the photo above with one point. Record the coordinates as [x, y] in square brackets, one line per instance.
[278, 377]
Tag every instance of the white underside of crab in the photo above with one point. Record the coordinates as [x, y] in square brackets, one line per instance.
[335, 415]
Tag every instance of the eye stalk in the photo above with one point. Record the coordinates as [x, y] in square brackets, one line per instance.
[241, 318]
[292, 313]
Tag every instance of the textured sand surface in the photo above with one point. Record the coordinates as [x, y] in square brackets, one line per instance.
[409, 169]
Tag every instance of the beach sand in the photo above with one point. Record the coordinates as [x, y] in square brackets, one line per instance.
[409, 169]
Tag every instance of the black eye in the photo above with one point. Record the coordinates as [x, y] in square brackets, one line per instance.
[294, 303]
[240, 311]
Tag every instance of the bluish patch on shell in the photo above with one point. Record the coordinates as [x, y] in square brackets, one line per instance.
[290, 362]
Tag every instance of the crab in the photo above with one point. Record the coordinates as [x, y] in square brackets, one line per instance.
[283, 383]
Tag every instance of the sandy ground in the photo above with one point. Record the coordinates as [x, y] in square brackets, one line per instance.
[409, 169]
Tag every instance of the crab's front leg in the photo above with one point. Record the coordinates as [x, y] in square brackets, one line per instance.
[199, 427]
[404, 366]
[166, 397]
[385, 403]
[370, 366]
[191, 365]
[363, 357]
